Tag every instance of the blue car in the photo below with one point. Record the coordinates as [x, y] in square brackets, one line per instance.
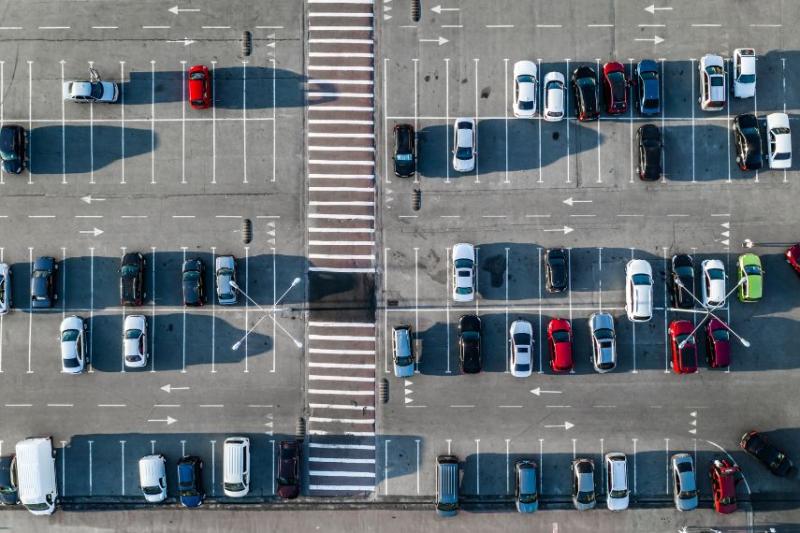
[190, 481]
[648, 87]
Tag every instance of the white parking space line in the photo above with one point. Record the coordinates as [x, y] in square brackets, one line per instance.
[122, 464]
[247, 306]
[507, 328]
[693, 103]
[600, 279]
[540, 90]
[634, 465]
[91, 136]
[91, 488]
[63, 132]
[183, 326]
[566, 111]
[633, 338]
[477, 143]
[666, 306]
[244, 126]
[416, 289]
[213, 125]
[213, 314]
[30, 113]
[152, 122]
[478, 466]
[505, 110]
[663, 114]
[153, 312]
[666, 451]
[630, 110]
[30, 311]
[541, 465]
[603, 468]
[183, 122]
[385, 315]
[726, 66]
[447, 305]
[2, 253]
[122, 119]
[447, 120]
[274, 125]
[539, 277]
[63, 467]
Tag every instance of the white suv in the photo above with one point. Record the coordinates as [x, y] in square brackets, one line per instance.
[779, 141]
[712, 83]
[639, 290]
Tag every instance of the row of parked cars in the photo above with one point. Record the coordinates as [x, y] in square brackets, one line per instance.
[723, 473]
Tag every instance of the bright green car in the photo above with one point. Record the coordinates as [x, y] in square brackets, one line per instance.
[750, 289]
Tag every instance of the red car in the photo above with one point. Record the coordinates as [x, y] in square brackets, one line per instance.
[615, 86]
[724, 478]
[684, 360]
[793, 257]
[199, 87]
[718, 344]
[559, 337]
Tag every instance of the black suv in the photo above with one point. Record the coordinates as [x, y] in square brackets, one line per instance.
[404, 151]
[585, 91]
[12, 148]
[649, 140]
[556, 270]
[747, 139]
[682, 273]
[469, 344]
[131, 279]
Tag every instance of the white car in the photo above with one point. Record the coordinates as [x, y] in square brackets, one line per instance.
[525, 87]
[73, 344]
[713, 286]
[463, 272]
[134, 341]
[90, 91]
[712, 83]
[555, 94]
[520, 345]
[225, 272]
[639, 290]
[464, 153]
[617, 475]
[5, 288]
[744, 73]
[153, 477]
[779, 141]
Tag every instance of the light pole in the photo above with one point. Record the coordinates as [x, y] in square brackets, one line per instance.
[709, 312]
[267, 314]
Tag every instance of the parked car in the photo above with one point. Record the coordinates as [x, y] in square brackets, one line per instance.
[225, 273]
[744, 73]
[402, 352]
[463, 272]
[713, 287]
[724, 477]
[604, 343]
[131, 279]
[684, 486]
[779, 141]
[682, 281]
[153, 477]
[526, 486]
[520, 344]
[405, 151]
[639, 290]
[469, 344]
[464, 152]
[793, 257]
[718, 344]
[712, 83]
[555, 96]
[8, 482]
[190, 481]
[13, 148]
[648, 88]
[6, 301]
[583, 493]
[585, 91]
[556, 269]
[134, 341]
[648, 138]
[72, 334]
[525, 89]
[199, 87]
[618, 495]
[684, 347]
[87, 92]
[288, 482]
[615, 84]
[747, 140]
[768, 455]
[192, 274]
[559, 339]
[751, 277]
[43, 283]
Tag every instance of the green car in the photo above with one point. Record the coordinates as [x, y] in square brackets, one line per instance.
[750, 289]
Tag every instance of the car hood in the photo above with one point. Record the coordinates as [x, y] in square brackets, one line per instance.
[191, 501]
[404, 371]
[463, 251]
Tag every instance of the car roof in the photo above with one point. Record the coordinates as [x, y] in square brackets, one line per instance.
[747, 120]
[527, 478]
[583, 72]
[648, 65]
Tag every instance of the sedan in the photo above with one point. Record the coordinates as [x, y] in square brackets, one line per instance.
[469, 344]
[648, 88]
[463, 272]
[131, 279]
[584, 86]
[225, 275]
[604, 344]
[8, 481]
[404, 154]
[526, 486]
[779, 141]
[793, 257]
[73, 344]
[13, 148]
[684, 347]
[684, 484]
[190, 481]
[713, 285]
[556, 270]
[751, 278]
[759, 447]
[744, 73]
[724, 477]
[747, 140]
[648, 137]
[682, 281]
[718, 344]
[464, 140]
[583, 493]
[43, 282]
[90, 91]
[134, 341]
[559, 338]
[5, 288]
[639, 290]
[525, 88]
[192, 282]
[520, 344]
[288, 482]
[555, 95]
[199, 87]
[712, 83]
[615, 85]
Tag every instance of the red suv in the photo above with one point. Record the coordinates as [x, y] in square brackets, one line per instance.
[199, 87]
[559, 337]
[724, 478]
[684, 359]
[718, 344]
[793, 257]
[615, 86]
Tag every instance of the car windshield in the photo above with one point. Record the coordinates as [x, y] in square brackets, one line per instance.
[447, 506]
[463, 263]
[192, 275]
[747, 78]
[464, 153]
[717, 81]
[197, 75]
[69, 335]
[523, 368]
[525, 78]
[650, 104]
[641, 279]
[133, 358]
[471, 336]
[525, 105]
[155, 489]
[617, 82]
[561, 336]
[689, 341]
[687, 494]
[780, 131]
[720, 335]
[649, 75]
[464, 290]
[71, 362]
[40, 273]
[604, 333]
[727, 500]
[586, 496]
[97, 90]
[685, 272]
[752, 270]
[130, 270]
[528, 498]
[782, 156]
[133, 333]
[716, 273]
[234, 487]
[522, 338]
[618, 493]
[37, 506]
[404, 157]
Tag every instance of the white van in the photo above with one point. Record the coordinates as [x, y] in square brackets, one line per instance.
[153, 478]
[35, 464]
[236, 467]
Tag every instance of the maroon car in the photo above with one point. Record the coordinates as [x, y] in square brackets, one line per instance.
[288, 469]
[684, 359]
[793, 257]
[718, 344]
[615, 86]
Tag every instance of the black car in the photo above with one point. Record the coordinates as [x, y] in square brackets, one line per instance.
[648, 90]
[759, 447]
[649, 140]
[131, 279]
[190, 481]
[43, 282]
[194, 288]
[8, 482]
[747, 139]
[556, 270]
[469, 344]
[404, 151]
[12, 148]
[682, 273]
[585, 92]
[288, 482]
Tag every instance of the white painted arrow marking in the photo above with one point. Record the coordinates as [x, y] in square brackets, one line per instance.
[439, 9]
[89, 199]
[654, 40]
[538, 391]
[565, 229]
[569, 201]
[95, 232]
[652, 9]
[169, 388]
[169, 420]
[175, 10]
[186, 41]
[441, 40]
[566, 425]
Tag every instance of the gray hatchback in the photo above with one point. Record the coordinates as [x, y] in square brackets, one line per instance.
[604, 345]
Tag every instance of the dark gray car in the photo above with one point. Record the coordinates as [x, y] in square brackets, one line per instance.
[648, 87]
[43, 283]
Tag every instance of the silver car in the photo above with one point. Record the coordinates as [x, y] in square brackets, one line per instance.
[684, 486]
[72, 334]
[583, 493]
[134, 341]
[604, 344]
[5, 288]
[225, 269]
